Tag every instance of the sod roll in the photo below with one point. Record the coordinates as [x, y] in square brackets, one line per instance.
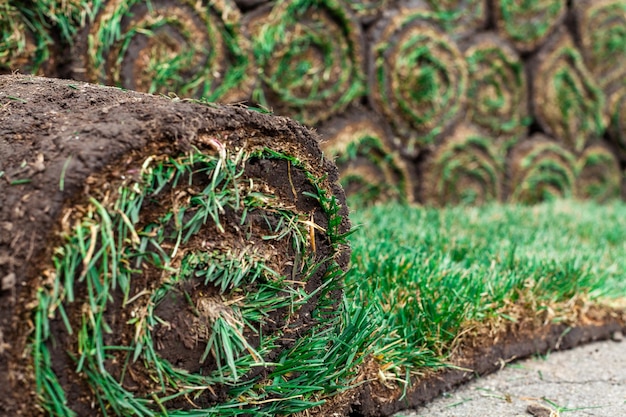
[310, 58]
[163, 257]
[566, 101]
[528, 23]
[182, 47]
[369, 10]
[616, 102]
[598, 174]
[601, 29]
[418, 77]
[370, 169]
[497, 96]
[465, 169]
[540, 169]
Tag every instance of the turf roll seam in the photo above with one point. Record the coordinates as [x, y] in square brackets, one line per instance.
[418, 76]
[310, 56]
[167, 257]
[186, 48]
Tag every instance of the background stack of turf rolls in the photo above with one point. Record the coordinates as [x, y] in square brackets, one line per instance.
[437, 102]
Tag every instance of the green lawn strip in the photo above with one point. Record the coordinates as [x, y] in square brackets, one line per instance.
[433, 273]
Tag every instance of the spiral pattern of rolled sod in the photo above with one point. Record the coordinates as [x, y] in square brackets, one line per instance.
[310, 55]
[528, 23]
[541, 169]
[464, 169]
[497, 96]
[601, 27]
[370, 170]
[567, 102]
[617, 122]
[598, 174]
[24, 41]
[418, 77]
[188, 48]
[194, 264]
[461, 17]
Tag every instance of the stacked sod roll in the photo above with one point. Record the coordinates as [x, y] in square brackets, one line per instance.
[164, 257]
[425, 69]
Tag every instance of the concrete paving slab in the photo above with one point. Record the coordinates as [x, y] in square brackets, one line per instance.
[586, 381]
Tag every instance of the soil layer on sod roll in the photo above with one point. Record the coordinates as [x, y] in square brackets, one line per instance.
[104, 245]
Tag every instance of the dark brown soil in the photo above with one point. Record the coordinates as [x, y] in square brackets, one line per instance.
[88, 138]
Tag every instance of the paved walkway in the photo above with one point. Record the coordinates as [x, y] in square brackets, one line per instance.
[587, 381]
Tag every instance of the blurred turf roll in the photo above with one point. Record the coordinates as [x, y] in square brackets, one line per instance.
[418, 76]
[601, 30]
[465, 169]
[540, 169]
[527, 23]
[369, 10]
[461, 17]
[370, 170]
[616, 104]
[497, 95]
[309, 56]
[183, 47]
[598, 174]
[25, 43]
[566, 100]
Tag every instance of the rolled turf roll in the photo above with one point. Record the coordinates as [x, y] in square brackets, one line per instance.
[370, 170]
[616, 104]
[164, 257]
[497, 96]
[601, 30]
[369, 10]
[464, 169]
[462, 17]
[310, 55]
[25, 44]
[566, 101]
[598, 174]
[528, 23]
[418, 77]
[189, 48]
[540, 169]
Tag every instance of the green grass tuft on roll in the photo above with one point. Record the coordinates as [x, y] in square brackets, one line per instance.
[418, 77]
[370, 170]
[310, 58]
[601, 28]
[465, 169]
[497, 96]
[566, 101]
[540, 169]
[598, 174]
[528, 23]
[183, 47]
[24, 40]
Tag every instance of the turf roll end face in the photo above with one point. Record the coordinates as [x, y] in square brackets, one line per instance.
[528, 24]
[598, 174]
[311, 57]
[418, 77]
[461, 17]
[191, 49]
[191, 262]
[371, 170]
[465, 169]
[540, 169]
[566, 101]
